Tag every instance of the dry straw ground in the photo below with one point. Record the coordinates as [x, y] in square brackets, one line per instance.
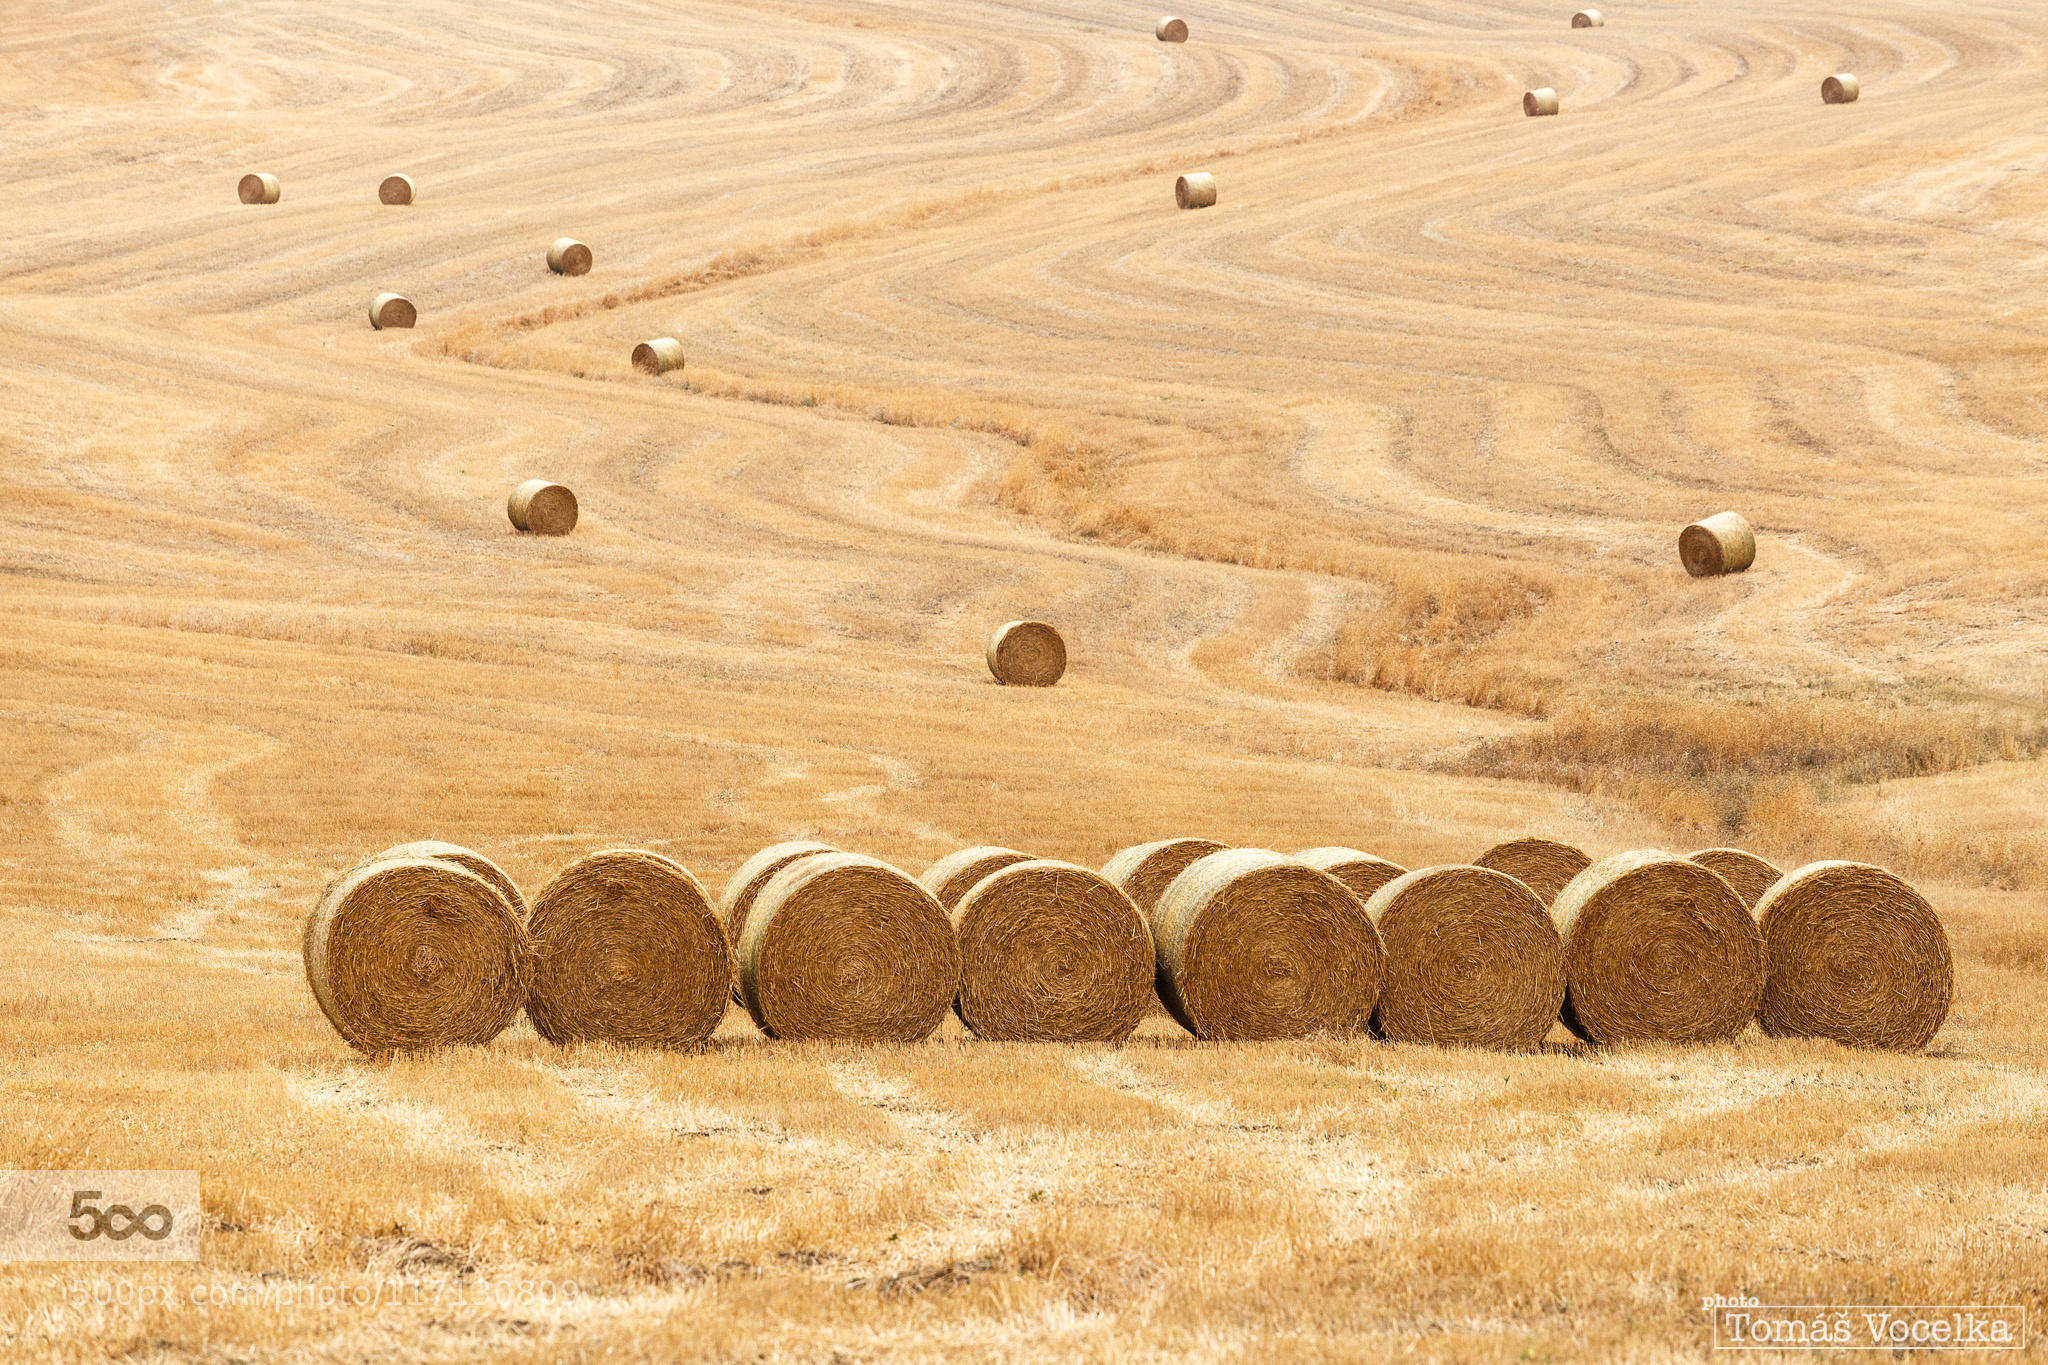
[1356, 497]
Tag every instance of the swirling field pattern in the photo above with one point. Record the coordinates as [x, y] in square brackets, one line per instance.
[1409, 420]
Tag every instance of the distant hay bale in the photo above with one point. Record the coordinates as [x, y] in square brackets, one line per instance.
[659, 355]
[956, 874]
[1144, 872]
[1362, 872]
[1196, 190]
[839, 946]
[542, 508]
[1027, 654]
[1543, 865]
[1589, 18]
[1051, 952]
[1171, 30]
[1536, 103]
[1657, 949]
[259, 188]
[1854, 954]
[1840, 88]
[461, 857]
[567, 256]
[392, 310]
[415, 953]
[743, 886]
[396, 189]
[1750, 875]
[1253, 945]
[1722, 543]
[627, 950]
[1473, 960]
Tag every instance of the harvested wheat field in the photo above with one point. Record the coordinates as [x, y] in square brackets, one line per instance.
[1353, 497]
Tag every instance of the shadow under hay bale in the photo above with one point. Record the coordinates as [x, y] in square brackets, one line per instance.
[1473, 960]
[840, 946]
[1195, 190]
[1841, 88]
[1027, 654]
[1362, 872]
[1722, 543]
[1855, 954]
[416, 953]
[461, 857]
[1543, 865]
[1750, 875]
[1538, 103]
[954, 875]
[259, 188]
[1051, 952]
[567, 256]
[627, 950]
[1171, 30]
[1254, 945]
[542, 508]
[658, 356]
[396, 189]
[392, 310]
[1657, 949]
[1143, 872]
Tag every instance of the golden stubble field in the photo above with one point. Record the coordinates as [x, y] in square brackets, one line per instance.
[1355, 495]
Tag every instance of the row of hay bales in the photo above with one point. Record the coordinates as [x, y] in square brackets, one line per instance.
[431, 944]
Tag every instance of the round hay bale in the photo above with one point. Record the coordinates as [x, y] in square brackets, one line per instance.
[659, 355]
[1589, 18]
[1473, 960]
[259, 188]
[1171, 30]
[839, 946]
[744, 885]
[567, 256]
[543, 508]
[1657, 949]
[1144, 872]
[1840, 88]
[956, 874]
[1543, 865]
[1196, 190]
[1026, 654]
[1254, 945]
[1362, 872]
[392, 310]
[1051, 952]
[396, 189]
[461, 857]
[1853, 953]
[1537, 103]
[1722, 543]
[416, 953]
[1750, 875]
[626, 950]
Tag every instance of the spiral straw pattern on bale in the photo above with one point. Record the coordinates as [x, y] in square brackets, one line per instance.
[737, 900]
[1543, 865]
[461, 857]
[1253, 945]
[954, 875]
[658, 355]
[1657, 949]
[542, 508]
[1051, 952]
[1841, 88]
[840, 946]
[258, 188]
[1722, 543]
[1195, 190]
[1589, 18]
[1854, 954]
[1143, 872]
[416, 953]
[1171, 30]
[627, 950]
[1026, 654]
[1473, 960]
[392, 310]
[396, 189]
[1750, 875]
[1362, 872]
[567, 256]
[1537, 103]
